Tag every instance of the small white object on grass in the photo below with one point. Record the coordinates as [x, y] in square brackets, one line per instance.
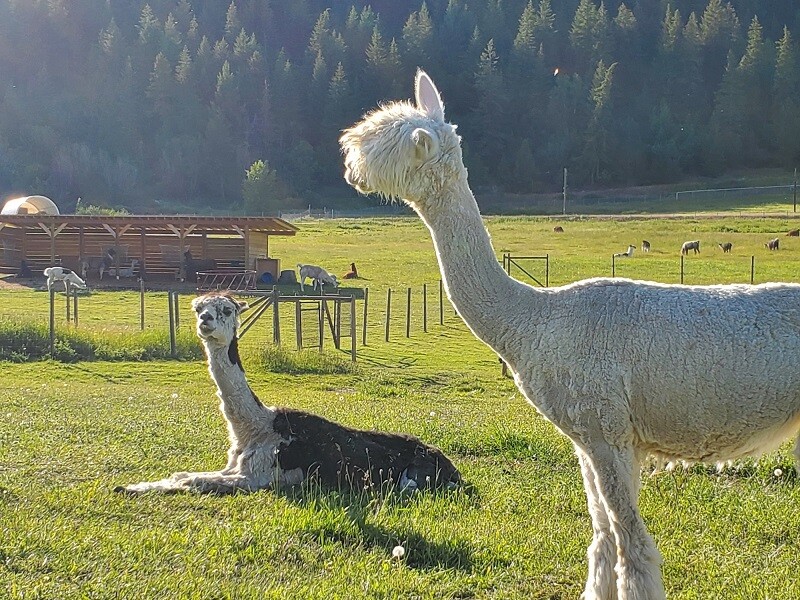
[398, 552]
[778, 472]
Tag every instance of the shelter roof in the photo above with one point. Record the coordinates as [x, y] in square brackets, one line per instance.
[155, 223]
[30, 205]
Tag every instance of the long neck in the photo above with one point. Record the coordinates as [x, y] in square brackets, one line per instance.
[487, 299]
[239, 404]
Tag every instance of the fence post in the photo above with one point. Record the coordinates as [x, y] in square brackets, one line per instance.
[425, 308]
[298, 323]
[353, 328]
[408, 313]
[321, 323]
[441, 302]
[67, 293]
[141, 304]
[681, 268]
[613, 266]
[388, 311]
[276, 318]
[74, 306]
[546, 270]
[52, 322]
[173, 350]
[364, 324]
[177, 312]
[752, 269]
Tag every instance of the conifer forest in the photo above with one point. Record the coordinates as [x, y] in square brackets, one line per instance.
[188, 105]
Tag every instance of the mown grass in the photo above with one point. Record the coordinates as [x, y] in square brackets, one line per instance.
[70, 432]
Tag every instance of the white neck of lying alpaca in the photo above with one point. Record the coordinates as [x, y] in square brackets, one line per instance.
[491, 303]
[239, 404]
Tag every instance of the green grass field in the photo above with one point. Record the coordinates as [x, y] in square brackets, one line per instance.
[71, 432]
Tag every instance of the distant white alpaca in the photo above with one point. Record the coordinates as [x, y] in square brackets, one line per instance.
[281, 446]
[628, 252]
[318, 276]
[63, 275]
[735, 394]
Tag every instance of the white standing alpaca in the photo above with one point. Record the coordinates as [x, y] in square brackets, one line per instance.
[281, 446]
[65, 276]
[720, 379]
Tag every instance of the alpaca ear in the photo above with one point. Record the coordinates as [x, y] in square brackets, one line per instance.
[426, 145]
[428, 99]
[243, 306]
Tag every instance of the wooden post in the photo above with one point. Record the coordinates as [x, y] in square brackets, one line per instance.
[388, 311]
[546, 270]
[52, 322]
[613, 266]
[177, 312]
[321, 323]
[298, 323]
[173, 346]
[425, 308]
[353, 329]
[337, 320]
[408, 313]
[75, 307]
[276, 318]
[752, 269]
[441, 302]
[141, 304]
[681, 268]
[67, 290]
[364, 323]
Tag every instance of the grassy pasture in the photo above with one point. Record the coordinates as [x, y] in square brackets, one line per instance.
[70, 432]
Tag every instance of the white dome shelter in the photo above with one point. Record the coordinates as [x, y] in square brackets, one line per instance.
[30, 205]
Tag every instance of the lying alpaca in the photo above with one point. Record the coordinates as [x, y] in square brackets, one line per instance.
[273, 446]
[736, 394]
[558, 229]
[66, 276]
[352, 273]
[628, 252]
[794, 233]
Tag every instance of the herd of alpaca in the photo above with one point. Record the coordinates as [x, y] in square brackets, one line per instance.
[736, 394]
[272, 446]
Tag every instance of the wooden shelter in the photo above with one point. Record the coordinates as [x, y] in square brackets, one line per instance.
[145, 246]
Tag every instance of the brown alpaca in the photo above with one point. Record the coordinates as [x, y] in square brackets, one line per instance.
[794, 233]
[352, 273]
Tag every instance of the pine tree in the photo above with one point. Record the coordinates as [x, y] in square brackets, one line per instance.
[786, 101]
[589, 35]
[596, 149]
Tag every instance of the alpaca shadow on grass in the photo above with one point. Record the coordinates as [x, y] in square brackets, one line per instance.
[354, 529]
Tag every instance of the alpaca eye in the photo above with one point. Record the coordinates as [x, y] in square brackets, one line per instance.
[227, 312]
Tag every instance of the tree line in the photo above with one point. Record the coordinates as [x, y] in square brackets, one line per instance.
[184, 105]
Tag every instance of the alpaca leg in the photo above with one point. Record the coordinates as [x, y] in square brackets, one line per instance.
[601, 583]
[638, 559]
[203, 482]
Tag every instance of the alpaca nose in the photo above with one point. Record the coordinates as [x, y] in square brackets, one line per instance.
[206, 316]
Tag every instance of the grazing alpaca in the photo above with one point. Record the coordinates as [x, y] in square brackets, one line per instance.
[352, 273]
[319, 277]
[628, 252]
[693, 245]
[773, 244]
[794, 233]
[645, 246]
[558, 229]
[66, 276]
[726, 246]
[569, 347]
[281, 446]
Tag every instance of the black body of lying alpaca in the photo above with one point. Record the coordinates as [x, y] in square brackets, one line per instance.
[339, 456]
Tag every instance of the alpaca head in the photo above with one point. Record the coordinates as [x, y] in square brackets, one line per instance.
[217, 318]
[404, 150]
